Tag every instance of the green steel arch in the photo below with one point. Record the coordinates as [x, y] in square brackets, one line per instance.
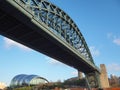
[59, 23]
[64, 27]
[61, 26]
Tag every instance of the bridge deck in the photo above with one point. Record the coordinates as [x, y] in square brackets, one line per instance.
[17, 26]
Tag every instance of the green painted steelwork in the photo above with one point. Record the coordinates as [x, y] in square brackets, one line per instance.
[55, 22]
[59, 23]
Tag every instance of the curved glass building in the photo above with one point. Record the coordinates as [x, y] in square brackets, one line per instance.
[27, 80]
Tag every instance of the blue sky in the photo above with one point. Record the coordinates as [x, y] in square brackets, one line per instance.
[99, 22]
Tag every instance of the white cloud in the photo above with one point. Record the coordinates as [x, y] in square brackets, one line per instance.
[114, 67]
[53, 61]
[75, 73]
[117, 41]
[10, 43]
[114, 38]
[94, 51]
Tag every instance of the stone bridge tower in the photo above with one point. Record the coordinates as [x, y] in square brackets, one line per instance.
[104, 77]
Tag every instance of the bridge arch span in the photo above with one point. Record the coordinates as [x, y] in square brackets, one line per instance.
[46, 28]
[59, 23]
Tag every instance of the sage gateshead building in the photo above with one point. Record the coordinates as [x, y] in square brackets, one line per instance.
[27, 80]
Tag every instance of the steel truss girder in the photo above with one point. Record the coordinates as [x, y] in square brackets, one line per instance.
[63, 26]
[59, 23]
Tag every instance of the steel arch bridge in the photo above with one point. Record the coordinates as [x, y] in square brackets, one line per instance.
[55, 25]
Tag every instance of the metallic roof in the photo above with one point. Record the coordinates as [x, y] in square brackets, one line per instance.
[23, 79]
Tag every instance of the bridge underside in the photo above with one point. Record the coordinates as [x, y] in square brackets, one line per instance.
[15, 25]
